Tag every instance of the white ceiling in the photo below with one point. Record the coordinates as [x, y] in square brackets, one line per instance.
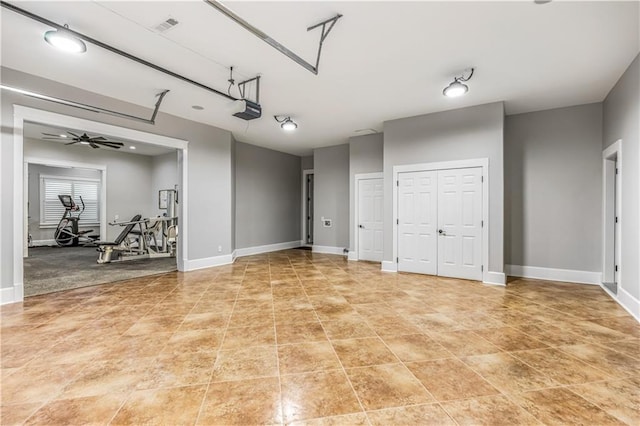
[37, 130]
[383, 60]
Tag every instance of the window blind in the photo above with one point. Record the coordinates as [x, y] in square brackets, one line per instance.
[51, 209]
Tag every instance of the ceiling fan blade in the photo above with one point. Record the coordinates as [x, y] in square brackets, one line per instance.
[71, 143]
[53, 139]
[73, 134]
[98, 138]
[111, 142]
[93, 145]
[108, 145]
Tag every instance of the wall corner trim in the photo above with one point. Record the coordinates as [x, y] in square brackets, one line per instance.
[627, 301]
[552, 274]
[208, 262]
[327, 249]
[495, 278]
[12, 294]
[389, 266]
[248, 251]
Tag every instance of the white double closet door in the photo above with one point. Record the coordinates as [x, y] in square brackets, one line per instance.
[440, 222]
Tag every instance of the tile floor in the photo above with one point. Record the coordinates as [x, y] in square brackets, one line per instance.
[295, 337]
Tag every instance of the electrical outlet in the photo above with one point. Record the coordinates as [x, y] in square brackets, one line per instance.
[219, 249]
[326, 223]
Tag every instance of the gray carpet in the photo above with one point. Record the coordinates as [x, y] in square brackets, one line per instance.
[50, 269]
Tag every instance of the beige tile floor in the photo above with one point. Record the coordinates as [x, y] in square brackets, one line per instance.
[293, 337]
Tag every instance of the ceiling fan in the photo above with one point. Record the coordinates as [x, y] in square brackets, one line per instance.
[94, 142]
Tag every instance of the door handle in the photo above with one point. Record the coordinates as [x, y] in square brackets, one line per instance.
[441, 232]
[361, 226]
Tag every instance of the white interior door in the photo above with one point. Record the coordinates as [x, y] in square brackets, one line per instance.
[460, 223]
[370, 219]
[417, 222]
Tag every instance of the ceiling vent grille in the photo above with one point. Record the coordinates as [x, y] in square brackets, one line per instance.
[165, 25]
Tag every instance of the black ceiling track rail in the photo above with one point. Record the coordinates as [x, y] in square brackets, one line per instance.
[117, 51]
[327, 26]
[91, 108]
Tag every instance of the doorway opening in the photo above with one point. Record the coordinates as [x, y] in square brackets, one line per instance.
[55, 152]
[307, 208]
[612, 219]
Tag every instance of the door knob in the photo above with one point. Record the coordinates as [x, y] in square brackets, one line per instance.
[361, 226]
[440, 231]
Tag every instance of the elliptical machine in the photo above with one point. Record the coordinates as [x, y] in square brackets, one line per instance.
[67, 233]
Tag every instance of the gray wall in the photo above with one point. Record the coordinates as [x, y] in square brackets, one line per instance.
[331, 195]
[209, 163]
[268, 185]
[35, 171]
[621, 114]
[468, 133]
[365, 156]
[128, 177]
[164, 175]
[553, 188]
[306, 163]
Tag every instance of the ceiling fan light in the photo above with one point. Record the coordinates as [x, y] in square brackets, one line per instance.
[289, 125]
[455, 89]
[65, 41]
[84, 142]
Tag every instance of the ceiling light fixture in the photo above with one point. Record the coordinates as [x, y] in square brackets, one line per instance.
[63, 136]
[456, 87]
[286, 123]
[65, 41]
[132, 147]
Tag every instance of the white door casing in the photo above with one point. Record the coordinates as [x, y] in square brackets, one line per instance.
[460, 223]
[417, 222]
[369, 221]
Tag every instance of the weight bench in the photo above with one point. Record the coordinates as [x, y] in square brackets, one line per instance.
[121, 243]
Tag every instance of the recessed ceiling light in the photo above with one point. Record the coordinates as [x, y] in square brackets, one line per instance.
[197, 107]
[63, 136]
[132, 147]
[65, 41]
[84, 142]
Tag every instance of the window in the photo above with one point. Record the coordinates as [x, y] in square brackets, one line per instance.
[51, 209]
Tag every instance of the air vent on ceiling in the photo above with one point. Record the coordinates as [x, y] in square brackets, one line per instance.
[166, 25]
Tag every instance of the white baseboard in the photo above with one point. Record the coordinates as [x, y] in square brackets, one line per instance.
[207, 262]
[627, 301]
[494, 278]
[248, 251]
[352, 255]
[327, 249]
[12, 294]
[567, 275]
[389, 266]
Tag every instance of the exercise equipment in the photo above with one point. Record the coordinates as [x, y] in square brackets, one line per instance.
[67, 232]
[145, 238]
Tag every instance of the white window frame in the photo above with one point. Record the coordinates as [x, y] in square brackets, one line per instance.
[72, 179]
